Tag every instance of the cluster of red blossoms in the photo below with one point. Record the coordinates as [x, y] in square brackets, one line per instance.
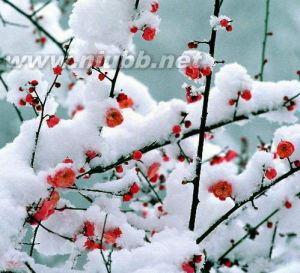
[245, 95]
[224, 23]
[229, 156]
[194, 72]
[289, 103]
[133, 190]
[191, 266]
[31, 96]
[149, 32]
[92, 242]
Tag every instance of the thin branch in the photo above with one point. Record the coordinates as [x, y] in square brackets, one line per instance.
[183, 153]
[6, 22]
[101, 244]
[55, 233]
[114, 80]
[237, 243]
[69, 208]
[236, 105]
[255, 195]
[273, 240]
[95, 190]
[159, 144]
[43, 104]
[136, 4]
[266, 34]
[151, 187]
[40, 8]
[99, 71]
[196, 180]
[36, 24]
[29, 267]
[33, 240]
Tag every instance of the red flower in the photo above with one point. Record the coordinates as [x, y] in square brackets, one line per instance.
[46, 209]
[288, 204]
[154, 178]
[68, 160]
[192, 45]
[113, 117]
[246, 95]
[166, 158]
[111, 236]
[187, 124]
[57, 70]
[126, 103]
[229, 28]
[216, 160]
[43, 40]
[191, 98]
[221, 190]
[119, 169]
[193, 72]
[63, 178]
[230, 155]
[133, 29]
[206, 71]
[91, 154]
[198, 259]
[102, 76]
[149, 33]
[231, 102]
[127, 197]
[34, 82]
[153, 170]
[91, 245]
[176, 129]
[134, 189]
[187, 268]
[297, 163]
[70, 61]
[224, 23]
[29, 98]
[53, 121]
[89, 229]
[270, 173]
[154, 7]
[285, 149]
[137, 155]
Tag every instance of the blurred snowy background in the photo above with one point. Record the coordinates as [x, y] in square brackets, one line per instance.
[186, 20]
